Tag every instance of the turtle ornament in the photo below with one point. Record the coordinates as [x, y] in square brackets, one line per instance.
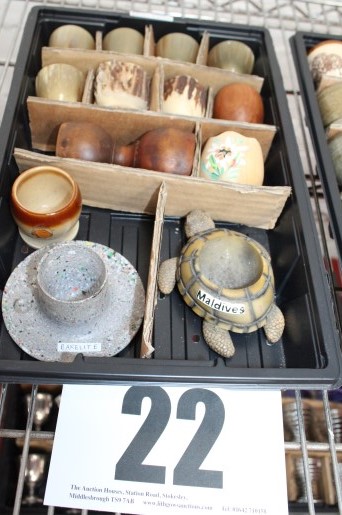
[225, 277]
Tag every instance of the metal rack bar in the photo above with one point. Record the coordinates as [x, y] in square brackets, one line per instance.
[333, 450]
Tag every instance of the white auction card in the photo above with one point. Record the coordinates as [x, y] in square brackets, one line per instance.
[150, 449]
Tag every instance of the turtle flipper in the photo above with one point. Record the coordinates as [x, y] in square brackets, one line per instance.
[167, 275]
[218, 339]
[274, 325]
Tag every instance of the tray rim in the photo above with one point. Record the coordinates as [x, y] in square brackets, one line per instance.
[331, 375]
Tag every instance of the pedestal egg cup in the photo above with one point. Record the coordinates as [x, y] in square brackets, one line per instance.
[46, 204]
[232, 55]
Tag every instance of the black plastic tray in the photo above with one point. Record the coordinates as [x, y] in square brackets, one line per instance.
[307, 356]
[301, 43]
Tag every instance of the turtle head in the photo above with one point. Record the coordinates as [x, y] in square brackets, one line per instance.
[196, 222]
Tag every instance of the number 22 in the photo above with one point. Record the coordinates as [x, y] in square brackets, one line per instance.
[130, 466]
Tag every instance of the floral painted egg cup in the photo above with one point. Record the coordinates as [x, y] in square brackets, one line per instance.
[232, 157]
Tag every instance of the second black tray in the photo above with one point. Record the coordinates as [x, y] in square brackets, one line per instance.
[301, 43]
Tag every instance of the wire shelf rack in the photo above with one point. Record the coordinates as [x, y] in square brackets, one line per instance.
[283, 19]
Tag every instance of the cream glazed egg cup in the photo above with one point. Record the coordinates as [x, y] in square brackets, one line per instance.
[46, 204]
[60, 81]
[232, 55]
[71, 36]
[124, 40]
[178, 47]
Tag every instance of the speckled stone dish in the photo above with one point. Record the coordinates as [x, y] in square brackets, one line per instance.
[47, 318]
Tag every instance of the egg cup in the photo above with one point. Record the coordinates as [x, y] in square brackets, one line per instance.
[46, 204]
[71, 36]
[330, 103]
[325, 58]
[232, 55]
[184, 95]
[124, 40]
[60, 81]
[233, 158]
[178, 47]
[122, 85]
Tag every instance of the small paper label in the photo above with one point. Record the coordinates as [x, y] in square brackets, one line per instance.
[233, 308]
[78, 347]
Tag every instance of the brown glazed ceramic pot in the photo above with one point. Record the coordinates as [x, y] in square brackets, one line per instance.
[46, 204]
[239, 102]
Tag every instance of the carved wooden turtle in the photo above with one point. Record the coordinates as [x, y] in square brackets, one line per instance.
[225, 277]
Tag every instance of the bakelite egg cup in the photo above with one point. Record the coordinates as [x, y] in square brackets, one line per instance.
[72, 283]
[167, 150]
[46, 204]
[239, 102]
